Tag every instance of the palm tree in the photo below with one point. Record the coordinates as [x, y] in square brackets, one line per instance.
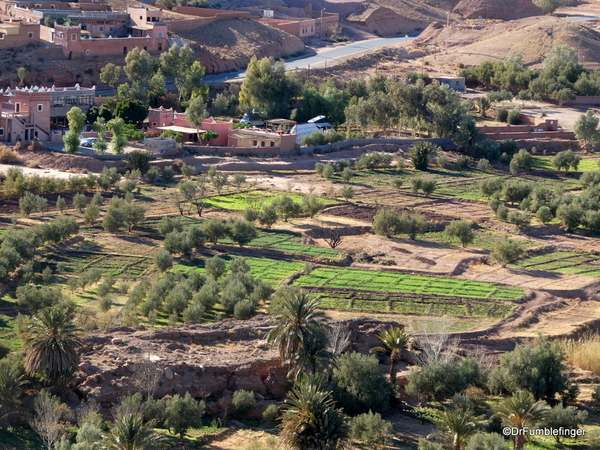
[520, 411]
[50, 344]
[297, 322]
[394, 340]
[461, 423]
[10, 388]
[131, 433]
[311, 358]
[311, 421]
[21, 72]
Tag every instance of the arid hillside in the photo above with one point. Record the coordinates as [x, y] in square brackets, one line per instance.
[229, 44]
[532, 38]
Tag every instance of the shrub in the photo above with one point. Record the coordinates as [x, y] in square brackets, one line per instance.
[463, 162]
[243, 402]
[501, 114]
[514, 116]
[461, 230]
[506, 251]
[561, 417]
[385, 222]
[9, 156]
[487, 441]
[270, 414]
[441, 381]
[371, 430]
[138, 160]
[359, 385]
[183, 413]
[596, 397]
[484, 165]
[544, 214]
[375, 160]
[243, 310]
[442, 161]
[519, 218]
[411, 224]
[163, 260]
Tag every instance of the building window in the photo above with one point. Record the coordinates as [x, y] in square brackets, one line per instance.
[30, 34]
[1, 131]
[60, 35]
[160, 34]
[153, 124]
[262, 143]
[254, 143]
[160, 47]
[1, 35]
[73, 37]
[111, 28]
[40, 107]
[52, 6]
[87, 52]
[38, 5]
[272, 143]
[17, 107]
[101, 27]
[84, 26]
[146, 48]
[141, 18]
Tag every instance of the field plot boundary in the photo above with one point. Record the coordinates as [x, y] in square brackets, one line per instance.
[95, 258]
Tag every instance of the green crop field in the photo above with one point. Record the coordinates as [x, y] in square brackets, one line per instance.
[370, 280]
[484, 238]
[545, 163]
[269, 270]
[122, 266]
[253, 199]
[289, 242]
[416, 305]
[564, 262]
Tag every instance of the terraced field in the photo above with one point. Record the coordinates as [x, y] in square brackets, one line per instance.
[370, 280]
[252, 199]
[415, 305]
[121, 266]
[269, 270]
[564, 262]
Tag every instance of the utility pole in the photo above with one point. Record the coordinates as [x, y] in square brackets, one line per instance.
[447, 26]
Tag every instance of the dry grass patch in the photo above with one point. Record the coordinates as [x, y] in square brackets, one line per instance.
[584, 354]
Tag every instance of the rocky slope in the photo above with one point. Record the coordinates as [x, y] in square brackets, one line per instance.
[208, 360]
[497, 9]
[229, 44]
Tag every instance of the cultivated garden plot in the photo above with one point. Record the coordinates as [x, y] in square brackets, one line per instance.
[121, 266]
[370, 280]
[269, 270]
[252, 199]
[564, 262]
[416, 305]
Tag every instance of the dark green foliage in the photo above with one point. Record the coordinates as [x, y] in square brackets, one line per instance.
[241, 231]
[461, 230]
[243, 402]
[568, 417]
[487, 441]
[131, 111]
[168, 224]
[214, 230]
[421, 152]
[183, 413]
[566, 160]
[37, 297]
[441, 381]
[371, 430]
[501, 114]
[163, 260]
[286, 207]
[539, 369]
[31, 203]
[375, 160]
[138, 160]
[359, 385]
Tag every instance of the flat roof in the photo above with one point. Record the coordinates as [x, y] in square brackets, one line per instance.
[181, 129]
[248, 134]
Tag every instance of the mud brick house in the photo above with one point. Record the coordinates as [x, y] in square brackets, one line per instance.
[31, 112]
[15, 34]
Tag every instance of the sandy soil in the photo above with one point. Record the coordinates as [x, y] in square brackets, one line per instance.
[239, 441]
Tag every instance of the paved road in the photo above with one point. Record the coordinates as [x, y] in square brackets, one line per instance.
[323, 58]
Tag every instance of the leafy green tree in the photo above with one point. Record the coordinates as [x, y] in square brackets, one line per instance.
[570, 215]
[118, 141]
[219, 181]
[311, 205]
[180, 63]
[297, 321]
[586, 130]
[196, 112]
[268, 216]
[131, 111]
[163, 260]
[359, 385]
[347, 192]
[506, 250]
[10, 387]
[421, 152]
[286, 207]
[215, 267]
[31, 203]
[131, 433]
[243, 401]
[439, 380]
[183, 413]
[241, 231]
[91, 215]
[521, 411]
[386, 222]
[568, 417]
[76, 120]
[214, 230]
[268, 86]
[566, 160]
[544, 214]
[209, 136]
[140, 68]
[61, 204]
[310, 420]
[79, 201]
[393, 340]
[50, 343]
[411, 224]
[461, 230]
[110, 74]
